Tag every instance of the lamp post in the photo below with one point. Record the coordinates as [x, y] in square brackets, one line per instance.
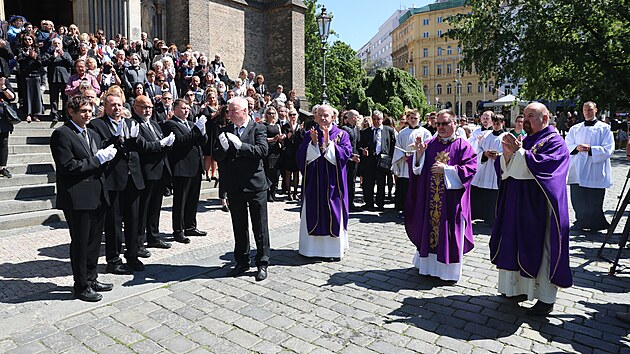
[323, 23]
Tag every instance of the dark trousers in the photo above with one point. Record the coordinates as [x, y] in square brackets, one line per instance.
[124, 207]
[185, 199]
[4, 148]
[256, 202]
[150, 207]
[373, 175]
[86, 230]
[588, 204]
[351, 171]
[55, 90]
[483, 204]
[402, 186]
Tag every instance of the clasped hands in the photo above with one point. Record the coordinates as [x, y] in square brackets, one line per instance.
[226, 137]
[315, 134]
[510, 144]
[583, 148]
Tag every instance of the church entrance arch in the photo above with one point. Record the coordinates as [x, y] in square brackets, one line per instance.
[58, 11]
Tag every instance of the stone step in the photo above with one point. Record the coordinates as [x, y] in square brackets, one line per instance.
[10, 207]
[36, 125]
[48, 216]
[28, 149]
[30, 168]
[20, 180]
[29, 140]
[27, 192]
[31, 132]
[31, 158]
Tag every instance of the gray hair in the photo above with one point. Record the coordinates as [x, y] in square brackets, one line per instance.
[239, 101]
[378, 113]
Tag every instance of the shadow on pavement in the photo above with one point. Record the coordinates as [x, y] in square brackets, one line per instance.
[165, 273]
[33, 291]
[392, 280]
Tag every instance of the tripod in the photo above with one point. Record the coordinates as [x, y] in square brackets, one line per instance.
[622, 204]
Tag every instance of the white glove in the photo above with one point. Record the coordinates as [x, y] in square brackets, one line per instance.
[135, 129]
[224, 141]
[235, 140]
[119, 128]
[201, 124]
[106, 154]
[168, 141]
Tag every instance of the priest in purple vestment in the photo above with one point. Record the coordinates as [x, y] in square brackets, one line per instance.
[437, 214]
[322, 159]
[530, 239]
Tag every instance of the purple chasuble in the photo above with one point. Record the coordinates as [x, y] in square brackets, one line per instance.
[518, 234]
[324, 185]
[433, 214]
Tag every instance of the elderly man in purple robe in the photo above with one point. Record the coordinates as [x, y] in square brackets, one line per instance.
[530, 239]
[322, 159]
[437, 213]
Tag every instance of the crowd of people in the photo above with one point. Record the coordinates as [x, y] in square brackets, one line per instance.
[143, 120]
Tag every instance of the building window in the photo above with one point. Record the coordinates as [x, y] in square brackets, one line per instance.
[425, 52]
[469, 108]
[425, 35]
[425, 22]
[469, 88]
[438, 89]
[425, 88]
[449, 68]
[412, 71]
[439, 51]
[479, 87]
[449, 50]
[439, 33]
[459, 88]
[440, 19]
[490, 86]
[439, 69]
[425, 70]
[449, 89]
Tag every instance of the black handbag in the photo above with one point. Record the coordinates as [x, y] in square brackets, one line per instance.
[10, 114]
[384, 162]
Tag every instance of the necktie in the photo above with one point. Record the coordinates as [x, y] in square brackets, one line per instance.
[85, 137]
[238, 131]
[148, 125]
[377, 139]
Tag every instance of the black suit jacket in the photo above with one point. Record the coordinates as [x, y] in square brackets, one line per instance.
[243, 168]
[153, 159]
[126, 163]
[80, 178]
[185, 157]
[353, 132]
[59, 68]
[388, 141]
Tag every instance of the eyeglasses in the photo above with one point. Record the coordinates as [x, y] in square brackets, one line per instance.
[271, 112]
[90, 97]
[167, 98]
[520, 121]
[443, 124]
[190, 94]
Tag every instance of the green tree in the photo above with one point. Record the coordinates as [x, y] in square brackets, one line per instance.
[312, 53]
[564, 49]
[396, 89]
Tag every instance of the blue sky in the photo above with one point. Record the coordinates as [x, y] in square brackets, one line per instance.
[357, 21]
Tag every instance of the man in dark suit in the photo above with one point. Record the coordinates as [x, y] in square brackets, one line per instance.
[350, 126]
[164, 109]
[59, 64]
[186, 162]
[124, 183]
[152, 148]
[377, 146]
[82, 194]
[242, 147]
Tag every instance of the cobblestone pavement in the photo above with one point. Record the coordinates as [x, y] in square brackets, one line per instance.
[371, 301]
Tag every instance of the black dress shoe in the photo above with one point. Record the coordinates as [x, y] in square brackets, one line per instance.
[101, 287]
[195, 232]
[143, 252]
[158, 244]
[262, 273]
[540, 309]
[179, 237]
[238, 270]
[515, 298]
[88, 294]
[6, 173]
[368, 207]
[168, 192]
[120, 269]
[379, 208]
[136, 265]
[225, 208]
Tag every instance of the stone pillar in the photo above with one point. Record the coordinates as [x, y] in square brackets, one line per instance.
[81, 14]
[134, 24]
[285, 46]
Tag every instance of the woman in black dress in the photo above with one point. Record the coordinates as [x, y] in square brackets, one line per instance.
[30, 78]
[275, 139]
[209, 108]
[219, 119]
[294, 132]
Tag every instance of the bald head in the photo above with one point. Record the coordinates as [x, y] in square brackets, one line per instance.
[143, 107]
[536, 118]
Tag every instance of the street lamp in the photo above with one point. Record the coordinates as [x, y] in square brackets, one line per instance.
[323, 23]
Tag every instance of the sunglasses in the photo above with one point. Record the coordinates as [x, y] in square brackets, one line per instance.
[293, 114]
[443, 124]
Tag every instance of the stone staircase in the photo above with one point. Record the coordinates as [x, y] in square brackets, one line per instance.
[28, 199]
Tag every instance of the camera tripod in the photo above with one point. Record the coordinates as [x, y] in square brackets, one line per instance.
[622, 204]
